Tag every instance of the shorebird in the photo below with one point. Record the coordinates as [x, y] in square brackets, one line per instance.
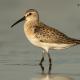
[44, 36]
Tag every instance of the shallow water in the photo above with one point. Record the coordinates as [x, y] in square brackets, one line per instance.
[19, 59]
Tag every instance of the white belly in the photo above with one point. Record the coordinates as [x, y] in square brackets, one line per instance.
[47, 46]
[31, 37]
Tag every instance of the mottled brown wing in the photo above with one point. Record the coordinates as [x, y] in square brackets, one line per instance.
[50, 35]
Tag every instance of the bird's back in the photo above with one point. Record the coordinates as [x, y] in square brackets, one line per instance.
[51, 35]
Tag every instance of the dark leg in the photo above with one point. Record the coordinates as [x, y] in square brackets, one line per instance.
[50, 62]
[50, 67]
[42, 58]
[42, 67]
[41, 61]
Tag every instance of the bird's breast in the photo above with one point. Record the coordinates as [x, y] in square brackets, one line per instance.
[29, 32]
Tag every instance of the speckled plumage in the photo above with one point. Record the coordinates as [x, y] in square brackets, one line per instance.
[51, 35]
[46, 37]
[43, 36]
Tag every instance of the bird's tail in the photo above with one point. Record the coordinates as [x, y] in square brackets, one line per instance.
[76, 41]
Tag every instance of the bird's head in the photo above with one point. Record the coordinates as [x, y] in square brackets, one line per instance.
[30, 15]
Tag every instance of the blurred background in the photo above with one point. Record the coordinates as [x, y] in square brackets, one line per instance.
[18, 58]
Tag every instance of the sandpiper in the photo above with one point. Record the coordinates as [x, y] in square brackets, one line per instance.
[44, 36]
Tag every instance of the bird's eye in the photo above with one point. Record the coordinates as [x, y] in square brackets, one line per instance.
[29, 14]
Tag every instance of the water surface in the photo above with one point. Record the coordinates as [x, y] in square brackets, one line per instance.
[19, 59]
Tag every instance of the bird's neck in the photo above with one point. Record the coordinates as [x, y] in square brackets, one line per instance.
[31, 23]
[29, 27]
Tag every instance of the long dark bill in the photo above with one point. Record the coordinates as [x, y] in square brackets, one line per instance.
[20, 20]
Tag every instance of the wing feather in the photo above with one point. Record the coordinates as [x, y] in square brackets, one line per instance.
[50, 35]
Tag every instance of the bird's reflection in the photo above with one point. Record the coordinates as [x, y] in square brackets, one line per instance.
[49, 69]
[50, 76]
